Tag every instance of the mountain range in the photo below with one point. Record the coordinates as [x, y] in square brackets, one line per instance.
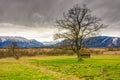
[21, 42]
[96, 42]
[105, 42]
[99, 42]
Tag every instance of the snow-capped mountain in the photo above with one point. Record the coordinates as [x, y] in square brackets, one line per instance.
[105, 42]
[97, 42]
[6, 41]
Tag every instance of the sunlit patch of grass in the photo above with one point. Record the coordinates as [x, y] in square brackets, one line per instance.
[89, 68]
[15, 71]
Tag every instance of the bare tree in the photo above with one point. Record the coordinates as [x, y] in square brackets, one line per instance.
[13, 47]
[76, 25]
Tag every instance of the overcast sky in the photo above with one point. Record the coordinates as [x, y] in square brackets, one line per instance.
[35, 19]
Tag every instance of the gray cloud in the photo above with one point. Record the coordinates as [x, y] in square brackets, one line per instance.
[18, 16]
[108, 10]
[29, 12]
[23, 11]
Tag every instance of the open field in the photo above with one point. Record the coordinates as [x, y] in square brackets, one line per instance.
[60, 68]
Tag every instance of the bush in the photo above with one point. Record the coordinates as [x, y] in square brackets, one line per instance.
[114, 49]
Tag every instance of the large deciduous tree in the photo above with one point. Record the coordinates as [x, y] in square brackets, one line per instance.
[76, 25]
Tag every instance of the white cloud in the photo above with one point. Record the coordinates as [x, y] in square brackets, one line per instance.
[110, 32]
[39, 33]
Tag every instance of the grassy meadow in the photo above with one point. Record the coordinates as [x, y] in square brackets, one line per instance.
[60, 68]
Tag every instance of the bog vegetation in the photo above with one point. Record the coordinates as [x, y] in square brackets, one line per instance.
[55, 52]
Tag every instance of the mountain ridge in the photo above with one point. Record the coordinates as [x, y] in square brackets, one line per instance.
[99, 42]
[6, 41]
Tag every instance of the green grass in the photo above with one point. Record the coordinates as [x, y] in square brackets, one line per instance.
[16, 71]
[89, 69]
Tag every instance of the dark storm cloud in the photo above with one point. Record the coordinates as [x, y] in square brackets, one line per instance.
[108, 9]
[26, 12]
[29, 12]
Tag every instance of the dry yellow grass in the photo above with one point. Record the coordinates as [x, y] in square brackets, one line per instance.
[57, 52]
[111, 53]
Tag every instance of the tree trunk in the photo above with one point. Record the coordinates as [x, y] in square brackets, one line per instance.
[79, 56]
[15, 55]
